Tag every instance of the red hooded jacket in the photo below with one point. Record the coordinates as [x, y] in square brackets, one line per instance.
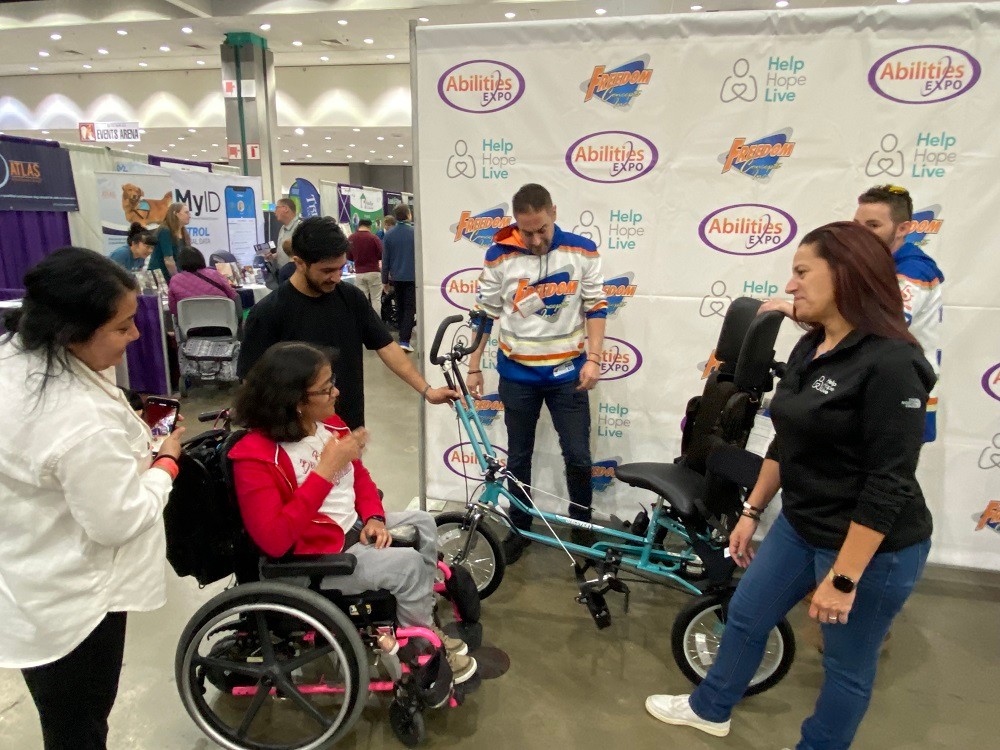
[279, 514]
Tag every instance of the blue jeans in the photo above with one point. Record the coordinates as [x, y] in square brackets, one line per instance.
[786, 569]
[570, 411]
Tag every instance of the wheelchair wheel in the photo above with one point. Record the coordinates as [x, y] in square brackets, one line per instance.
[697, 633]
[407, 723]
[272, 666]
[485, 561]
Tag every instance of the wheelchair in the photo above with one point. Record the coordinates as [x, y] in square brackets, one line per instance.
[273, 663]
[683, 540]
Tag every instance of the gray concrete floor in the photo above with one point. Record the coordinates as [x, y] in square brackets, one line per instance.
[573, 686]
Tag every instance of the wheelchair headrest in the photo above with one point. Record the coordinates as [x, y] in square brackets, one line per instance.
[739, 317]
[753, 367]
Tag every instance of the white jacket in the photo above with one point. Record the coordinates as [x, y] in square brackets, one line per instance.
[82, 531]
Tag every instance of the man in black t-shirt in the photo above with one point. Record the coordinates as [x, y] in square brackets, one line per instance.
[315, 307]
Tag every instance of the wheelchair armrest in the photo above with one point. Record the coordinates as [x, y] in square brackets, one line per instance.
[308, 565]
[406, 535]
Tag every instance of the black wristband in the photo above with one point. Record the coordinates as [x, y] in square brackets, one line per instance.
[375, 518]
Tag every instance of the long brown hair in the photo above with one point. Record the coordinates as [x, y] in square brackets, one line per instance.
[864, 277]
[172, 223]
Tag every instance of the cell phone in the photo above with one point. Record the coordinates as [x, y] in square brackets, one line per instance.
[161, 416]
[241, 219]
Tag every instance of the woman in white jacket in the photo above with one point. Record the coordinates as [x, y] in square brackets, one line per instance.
[82, 538]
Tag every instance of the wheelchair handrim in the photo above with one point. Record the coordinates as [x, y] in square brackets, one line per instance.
[216, 733]
[702, 637]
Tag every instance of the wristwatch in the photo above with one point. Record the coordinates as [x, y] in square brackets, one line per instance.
[843, 583]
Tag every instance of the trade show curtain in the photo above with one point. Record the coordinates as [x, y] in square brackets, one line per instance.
[144, 356]
[25, 238]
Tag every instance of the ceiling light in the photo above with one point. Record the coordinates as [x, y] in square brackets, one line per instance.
[284, 150]
[368, 41]
[305, 145]
[172, 145]
[163, 151]
[781, 4]
[200, 62]
[192, 130]
[600, 11]
[356, 130]
[350, 156]
[32, 67]
[142, 131]
[55, 37]
[372, 151]
[406, 161]
[265, 27]
[122, 32]
[42, 53]
[328, 138]
[696, 7]
[390, 57]
[102, 51]
[143, 65]
[299, 131]
[187, 29]
[215, 145]
[902, 2]
[204, 150]
[309, 156]
[291, 160]
[389, 156]
[324, 58]
[509, 14]
[180, 137]
[380, 138]
[423, 19]
[87, 66]
[329, 151]
[296, 43]
[350, 145]
[45, 132]
[164, 48]
[399, 145]
[368, 161]
[342, 22]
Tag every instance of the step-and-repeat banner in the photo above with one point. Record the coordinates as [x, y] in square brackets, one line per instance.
[696, 151]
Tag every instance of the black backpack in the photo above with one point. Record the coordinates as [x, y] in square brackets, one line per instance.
[206, 538]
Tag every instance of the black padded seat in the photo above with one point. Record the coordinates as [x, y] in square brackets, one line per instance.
[677, 484]
[311, 566]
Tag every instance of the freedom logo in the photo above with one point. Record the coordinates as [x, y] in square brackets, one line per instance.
[480, 228]
[618, 86]
[924, 74]
[460, 288]
[619, 359]
[461, 459]
[602, 473]
[619, 291]
[747, 229]
[611, 156]
[989, 518]
[758, 159]
[553, 291]
[488, 407]
[991, 381]
[925, 222]
[481, 86]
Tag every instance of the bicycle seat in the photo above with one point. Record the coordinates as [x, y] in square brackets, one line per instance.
[677, 484]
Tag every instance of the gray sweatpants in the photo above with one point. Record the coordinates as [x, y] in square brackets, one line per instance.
[405, 572]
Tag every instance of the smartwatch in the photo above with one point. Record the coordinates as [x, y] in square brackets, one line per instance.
[843, 583]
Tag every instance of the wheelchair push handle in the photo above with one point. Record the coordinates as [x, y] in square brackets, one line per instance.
[435, 359]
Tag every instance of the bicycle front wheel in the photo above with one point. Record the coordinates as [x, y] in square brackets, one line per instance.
[484, 561]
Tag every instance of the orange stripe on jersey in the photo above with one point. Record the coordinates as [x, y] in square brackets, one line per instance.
[919, 282]
[582, 250]
[502, 258]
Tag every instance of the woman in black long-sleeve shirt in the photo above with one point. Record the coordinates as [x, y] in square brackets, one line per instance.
[848, 418]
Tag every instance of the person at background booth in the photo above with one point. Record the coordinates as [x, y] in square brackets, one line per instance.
[366, 254]
[302, 488]
[388, 222]
[287, 214]
[170, 238]
[195, 279]
[82, 539]
[848, 417]
[546, 288]
[139, 245]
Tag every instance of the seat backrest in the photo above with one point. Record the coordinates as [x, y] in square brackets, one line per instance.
[206, 312]
[221, 257]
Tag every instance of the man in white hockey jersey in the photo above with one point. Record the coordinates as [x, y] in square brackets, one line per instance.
[887, 210]
[546, 289]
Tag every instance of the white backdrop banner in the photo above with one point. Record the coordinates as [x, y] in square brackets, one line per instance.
[696, 151]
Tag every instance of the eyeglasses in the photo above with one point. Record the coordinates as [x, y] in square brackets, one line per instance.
[328, 391]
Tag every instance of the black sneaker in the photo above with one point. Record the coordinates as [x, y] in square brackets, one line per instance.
[582, 537]
[513, 547]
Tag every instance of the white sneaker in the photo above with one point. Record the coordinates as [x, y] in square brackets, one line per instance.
[675, 709]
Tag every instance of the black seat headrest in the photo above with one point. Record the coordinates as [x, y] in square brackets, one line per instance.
[753, 366]
[739, 318]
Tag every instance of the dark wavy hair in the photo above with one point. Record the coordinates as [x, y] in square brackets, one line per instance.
[864, 277]
[190, 259]
[276, 386]
[68, 295]
[319, 238]
[138, 233]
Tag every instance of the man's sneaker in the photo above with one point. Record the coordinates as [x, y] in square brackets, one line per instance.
[405, 346]
[462, 667]
[675, 709]
[513, 546]
[451, 645]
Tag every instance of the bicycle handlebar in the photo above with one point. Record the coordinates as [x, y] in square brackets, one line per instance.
[435, 359]
[459, 351]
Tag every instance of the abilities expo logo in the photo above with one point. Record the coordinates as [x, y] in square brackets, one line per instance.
[611, 156]
[461, 460]
[618, 86]
[602, 473]
[461, 287]
[479, 228]
[991, 382]
[747, 229]
[924, 74]
[618, 291]
[619, 359]
[481, 86]
[759, 158]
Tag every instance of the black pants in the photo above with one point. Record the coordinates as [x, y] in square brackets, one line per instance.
[74, 694]
[406, 304]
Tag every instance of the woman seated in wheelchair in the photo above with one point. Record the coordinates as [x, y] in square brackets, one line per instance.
[301, 488]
